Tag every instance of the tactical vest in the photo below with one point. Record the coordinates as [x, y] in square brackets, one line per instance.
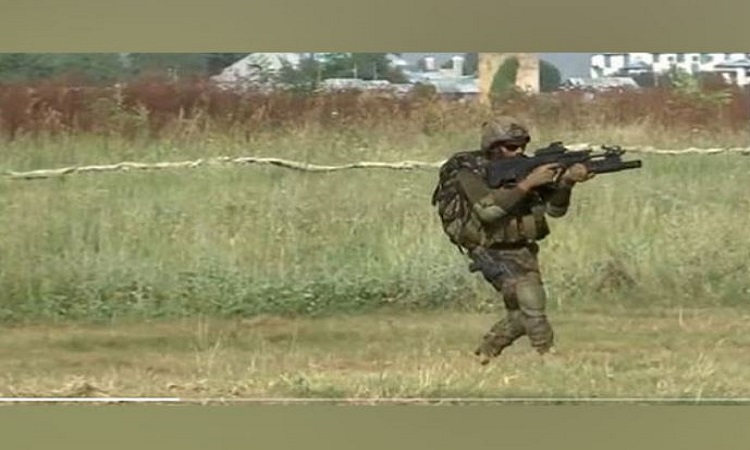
[525, 222]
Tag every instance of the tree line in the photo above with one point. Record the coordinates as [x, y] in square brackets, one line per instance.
[107, 68]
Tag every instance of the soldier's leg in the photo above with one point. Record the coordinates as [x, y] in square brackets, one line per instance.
[532, 300]
[506, 331]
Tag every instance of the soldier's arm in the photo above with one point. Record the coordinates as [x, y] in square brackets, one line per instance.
[489, 204]
[558, 200]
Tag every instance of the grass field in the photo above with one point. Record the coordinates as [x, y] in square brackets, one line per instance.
[241, 241]
[690, 354]
[260, 281]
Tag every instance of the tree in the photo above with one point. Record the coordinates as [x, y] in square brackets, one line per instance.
[505, 77]
[174, 64]
[90, 67]
[365, 66]
[305, 77]
[549, 76]
[26, 66]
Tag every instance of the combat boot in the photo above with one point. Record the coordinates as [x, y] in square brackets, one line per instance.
[491, 347]
[550, 357]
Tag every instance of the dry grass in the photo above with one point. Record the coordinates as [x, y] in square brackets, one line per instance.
[235, 245]
[154, 108]
[690, 354]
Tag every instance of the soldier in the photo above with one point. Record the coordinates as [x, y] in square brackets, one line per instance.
[499, 229]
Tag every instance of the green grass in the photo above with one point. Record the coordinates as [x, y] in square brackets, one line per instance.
[241, 241]
[265, 282]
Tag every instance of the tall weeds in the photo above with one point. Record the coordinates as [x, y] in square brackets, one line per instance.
[237, 241]
[158, 108]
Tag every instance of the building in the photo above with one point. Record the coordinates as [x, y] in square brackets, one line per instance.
[598, 84]
[258, 70]
[625, 64]
[735, 72]
[449, 82]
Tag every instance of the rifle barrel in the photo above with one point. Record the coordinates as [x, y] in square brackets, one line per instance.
[605, 167]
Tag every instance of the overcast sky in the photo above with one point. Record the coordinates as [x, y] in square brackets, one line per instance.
[570, 64]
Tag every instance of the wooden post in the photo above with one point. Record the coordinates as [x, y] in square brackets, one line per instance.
[527, 78]
[487, 65]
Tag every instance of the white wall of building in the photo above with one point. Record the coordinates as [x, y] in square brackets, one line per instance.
[608, 64]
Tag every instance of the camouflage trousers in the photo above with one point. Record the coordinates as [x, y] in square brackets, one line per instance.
[514, 272]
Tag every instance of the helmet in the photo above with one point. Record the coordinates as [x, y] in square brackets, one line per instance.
[504, 129]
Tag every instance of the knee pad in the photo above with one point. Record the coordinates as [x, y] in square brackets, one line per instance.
[532, 299]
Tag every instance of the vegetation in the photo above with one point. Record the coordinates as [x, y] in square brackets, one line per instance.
[690, 354]
[505, 78]
[184, 111]
[549, 76]
[247, 241]
[106, 68]
[255, 281]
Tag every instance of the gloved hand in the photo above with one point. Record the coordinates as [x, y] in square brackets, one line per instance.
[577, 173]
[540, 176]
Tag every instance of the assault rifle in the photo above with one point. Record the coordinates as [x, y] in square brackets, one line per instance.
[512, 170]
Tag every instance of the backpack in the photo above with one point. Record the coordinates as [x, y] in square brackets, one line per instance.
[453, 207]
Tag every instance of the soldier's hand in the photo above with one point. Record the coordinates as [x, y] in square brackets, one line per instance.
[577, 173]
[540, 176]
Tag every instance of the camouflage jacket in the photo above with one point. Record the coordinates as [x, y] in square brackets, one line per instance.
[508, 214]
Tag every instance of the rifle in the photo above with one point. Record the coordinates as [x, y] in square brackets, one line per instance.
[512, 170]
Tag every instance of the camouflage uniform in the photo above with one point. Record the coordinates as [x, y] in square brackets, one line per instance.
[500, 232]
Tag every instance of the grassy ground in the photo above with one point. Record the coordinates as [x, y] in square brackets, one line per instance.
[344, 145]
[103, 277]
[243, 241]
[691, 354]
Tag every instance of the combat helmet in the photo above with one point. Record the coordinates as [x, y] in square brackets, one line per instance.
[504, 129]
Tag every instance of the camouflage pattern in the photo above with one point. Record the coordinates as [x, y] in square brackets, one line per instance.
[503, 129]
[506, 215]
[454, 208]
[461, 192]
[499, 228]
[515, 274]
